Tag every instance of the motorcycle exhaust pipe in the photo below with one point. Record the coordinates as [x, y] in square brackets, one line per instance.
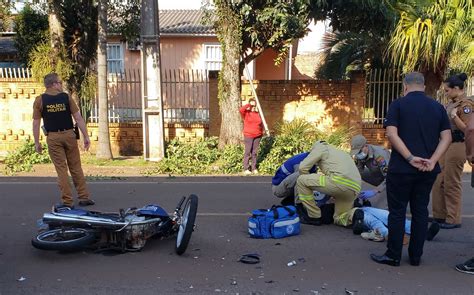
[83, 220]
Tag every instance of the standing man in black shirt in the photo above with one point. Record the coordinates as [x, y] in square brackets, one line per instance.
[419, 130]
[56, 109]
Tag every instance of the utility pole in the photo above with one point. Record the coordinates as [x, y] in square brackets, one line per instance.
[152, 102]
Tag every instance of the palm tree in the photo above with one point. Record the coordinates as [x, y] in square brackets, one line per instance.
[434, 39]
[343, 52]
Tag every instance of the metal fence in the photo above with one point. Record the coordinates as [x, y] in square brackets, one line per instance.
[383, 86]
[15, 73]
[185, 97]
[125, 98]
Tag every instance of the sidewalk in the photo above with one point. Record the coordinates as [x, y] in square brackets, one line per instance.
[124, 170]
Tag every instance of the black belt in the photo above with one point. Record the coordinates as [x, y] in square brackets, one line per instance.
[59, 130]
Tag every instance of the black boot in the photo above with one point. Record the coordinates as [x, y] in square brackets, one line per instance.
[304, 218]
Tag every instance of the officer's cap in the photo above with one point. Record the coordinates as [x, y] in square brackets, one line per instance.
[357, 143]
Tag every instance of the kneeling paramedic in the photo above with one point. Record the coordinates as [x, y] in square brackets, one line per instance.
[337, 176]
[372, 162]
[284, 180]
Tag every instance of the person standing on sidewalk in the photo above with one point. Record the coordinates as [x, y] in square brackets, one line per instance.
[419, 130]
[447, 190]
[468, 266]
[55, 107]
[253, 132]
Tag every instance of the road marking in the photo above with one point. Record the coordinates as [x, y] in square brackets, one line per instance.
[151, 182]
[143, 182]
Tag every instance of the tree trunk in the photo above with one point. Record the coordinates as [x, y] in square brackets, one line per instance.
[229, 78]
[55, 29]
[433, 82]
[103, 151]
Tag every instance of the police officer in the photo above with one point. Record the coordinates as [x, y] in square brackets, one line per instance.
[337, 176]
[447, 190]
[372, 162]
[55, 108]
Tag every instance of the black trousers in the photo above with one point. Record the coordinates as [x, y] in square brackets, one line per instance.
[401, 190]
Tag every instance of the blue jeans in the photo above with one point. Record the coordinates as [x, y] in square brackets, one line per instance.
[375, 218]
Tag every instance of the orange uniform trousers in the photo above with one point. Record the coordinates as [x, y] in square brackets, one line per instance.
[447, 189]
[64, 153]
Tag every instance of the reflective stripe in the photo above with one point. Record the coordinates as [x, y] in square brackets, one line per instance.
[347, 182]
[284, 170]
[306, 197]
[287, 222]
[322, 180]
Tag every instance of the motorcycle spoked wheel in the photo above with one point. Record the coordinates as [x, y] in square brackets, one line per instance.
[69, 239]
[186, 228]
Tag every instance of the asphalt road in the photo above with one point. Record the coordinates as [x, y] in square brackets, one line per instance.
[330, 259]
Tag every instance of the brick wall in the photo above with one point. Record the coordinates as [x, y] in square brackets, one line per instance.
[16, 107]
[329, 104]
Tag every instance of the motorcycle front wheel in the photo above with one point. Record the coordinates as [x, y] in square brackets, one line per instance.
[186, 227]
[63, 239]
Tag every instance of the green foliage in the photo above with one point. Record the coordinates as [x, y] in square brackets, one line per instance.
[44, 60]
[427, 36]
[87, 93]
[230, 160]
[124, 18]
[203, 157]
[79, 22]
[31, 29]
[24, 158]
[296, 137]
[361, 30]
[5, 15]
[187, 159]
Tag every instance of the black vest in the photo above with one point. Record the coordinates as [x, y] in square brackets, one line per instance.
[56, 112]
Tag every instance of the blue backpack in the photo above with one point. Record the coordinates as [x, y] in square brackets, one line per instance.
[276, 222]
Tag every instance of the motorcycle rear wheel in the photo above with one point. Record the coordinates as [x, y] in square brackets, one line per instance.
[69, 239]
[186, 228]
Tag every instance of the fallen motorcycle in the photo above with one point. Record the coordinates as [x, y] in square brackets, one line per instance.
[75, 229]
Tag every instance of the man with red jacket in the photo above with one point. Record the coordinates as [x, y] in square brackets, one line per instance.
[252, 134]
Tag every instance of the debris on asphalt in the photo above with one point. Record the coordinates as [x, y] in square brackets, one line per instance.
[250, 258]
[196, 257]
[296, 290]
[277, 244]
[349, 292]
[314, 292]
[270, 281]
[301, 259]
[191, 287]
[196, 249]
[21, 279]
[217, 290]
[291, 263]
[233, 283]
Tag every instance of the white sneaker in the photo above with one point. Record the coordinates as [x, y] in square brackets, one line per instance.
[247, 172]
[373, 235]
[255, 171]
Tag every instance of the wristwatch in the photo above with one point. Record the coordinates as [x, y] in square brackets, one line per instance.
[409, 158]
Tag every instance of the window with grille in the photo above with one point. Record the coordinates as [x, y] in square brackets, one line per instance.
[212, 57]
[114, 58]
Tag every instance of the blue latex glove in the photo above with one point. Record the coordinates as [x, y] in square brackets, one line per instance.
[364, 195]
